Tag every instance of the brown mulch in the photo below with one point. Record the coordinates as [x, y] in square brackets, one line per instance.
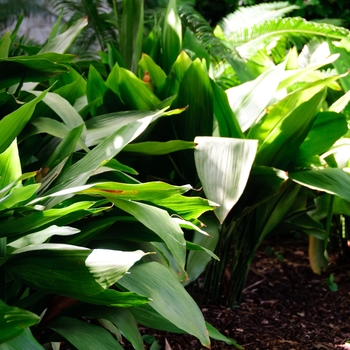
[284, 306]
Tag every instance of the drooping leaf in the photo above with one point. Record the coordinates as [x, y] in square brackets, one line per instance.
[160, 222]
[83, 335]
[169, 298]
[223, 166]
[13, 321]
[12, 124]
[330, 180]
[22, 341]
[69, 270]
[249, 100]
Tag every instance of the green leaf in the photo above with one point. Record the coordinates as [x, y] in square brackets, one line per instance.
[159, 221]
[215, 334]
[43, 235]
[227, 120]
[196, 92]
[18, 195]
[172, 36]
[99, 127]
[131, 33]
[249, 100]
[62, 42]
[168, 296]
[66, 147]
[156, 74]
[69, 270]
[5, 43]
[158, 148]
[30, 68]
[13, 124]
[111, 297]
[23, 341]
[171, 84]
[79, 172]
[330, 180]
[96, 88]
[325, 131]
[84, 336]
[10, 165]
[123, 319]
[197, 261]
[13, 321]
[281, 131]
[37, 218]
[223, 166]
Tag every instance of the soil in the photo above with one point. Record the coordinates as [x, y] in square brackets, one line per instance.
[284, 306]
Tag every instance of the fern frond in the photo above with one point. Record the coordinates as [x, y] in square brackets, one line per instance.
[297, 31]
[249, 16]
[215, 47]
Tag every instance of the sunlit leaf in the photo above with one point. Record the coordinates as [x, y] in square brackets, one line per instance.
[223, 166]
[169, 298]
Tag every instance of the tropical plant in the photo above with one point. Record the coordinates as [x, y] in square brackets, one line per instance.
[73, 229]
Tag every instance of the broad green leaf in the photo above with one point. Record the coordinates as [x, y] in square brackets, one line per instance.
[79, 172]
[197, 260]
[43, 235]
[195, 91]
[111, 297]
[12, 124]
[123, 319]
[5, 43]
[66, 147]
[62, 108]
[69, 270]
[96, 88]
[5, 190]
[158, 148]
[281, 131]
[172, 36]
[99, 127]
[159, 221]
[187, 207]
[49, 126]
[340, 206]
[155, 73]
[31, 68]
[135, 93]
[18, 195]
[84, 336]
[62, 42]
[215, 334]
[301, 74]
[223, 166]
[227, 120]
[13, 321]
[149, 191]
[249, 100]
[38, 218]
[341, 64]
[169, 298]
[23, 341]
[339, 105]
[10, 165]
[327, 128]
[131, 33]
[330, 180]
[147, 316]
[171, 84]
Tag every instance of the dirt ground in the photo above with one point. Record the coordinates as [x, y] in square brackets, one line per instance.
[284, 306]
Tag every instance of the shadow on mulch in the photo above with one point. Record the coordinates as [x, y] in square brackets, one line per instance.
[284, 306]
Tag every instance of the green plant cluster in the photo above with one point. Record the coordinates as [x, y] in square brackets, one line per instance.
[163, 164]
